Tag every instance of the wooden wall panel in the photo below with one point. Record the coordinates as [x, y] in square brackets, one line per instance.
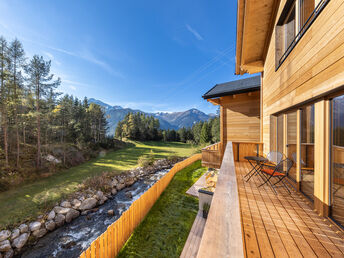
[313, 68]
[241, 117]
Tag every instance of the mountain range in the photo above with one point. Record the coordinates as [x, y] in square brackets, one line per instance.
[168, 120]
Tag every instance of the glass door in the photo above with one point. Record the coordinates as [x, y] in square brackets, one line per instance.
[280, 130]
[292, 142]
[307, 151]
[337, 162]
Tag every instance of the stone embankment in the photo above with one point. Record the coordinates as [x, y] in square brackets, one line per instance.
[79, 204]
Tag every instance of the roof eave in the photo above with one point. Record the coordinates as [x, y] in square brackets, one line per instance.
[231, 93]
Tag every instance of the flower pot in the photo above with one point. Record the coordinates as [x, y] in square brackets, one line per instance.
[204, 196]
[205, 214]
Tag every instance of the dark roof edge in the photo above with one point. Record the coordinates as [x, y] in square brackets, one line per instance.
[230, 92]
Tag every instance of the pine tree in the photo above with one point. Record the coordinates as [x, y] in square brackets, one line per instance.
[16, 56]
[4, 94]
[41, 82]
[205, 133]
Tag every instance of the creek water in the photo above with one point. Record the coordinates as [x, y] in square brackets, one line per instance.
[73, 238]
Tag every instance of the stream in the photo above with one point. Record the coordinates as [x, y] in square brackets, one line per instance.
[73, 238]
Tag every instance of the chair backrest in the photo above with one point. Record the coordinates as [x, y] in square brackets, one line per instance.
[274, 156]
[284, 166]
[295, 159]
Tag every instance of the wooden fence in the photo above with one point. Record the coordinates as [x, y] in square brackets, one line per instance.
[112, 240]
[212, 155]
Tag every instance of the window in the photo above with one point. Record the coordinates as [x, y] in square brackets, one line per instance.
[296, 17]
[307, 151]
[337, 163]
[306, 9]
[285, 30]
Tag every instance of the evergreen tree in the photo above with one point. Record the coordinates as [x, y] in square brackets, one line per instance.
[205, 136]
[41, 82]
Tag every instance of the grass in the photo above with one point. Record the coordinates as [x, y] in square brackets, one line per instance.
[28, 200]
[165, 229]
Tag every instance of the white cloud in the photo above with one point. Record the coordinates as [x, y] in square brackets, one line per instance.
[194, 32]
[87, 55]
[72, 87]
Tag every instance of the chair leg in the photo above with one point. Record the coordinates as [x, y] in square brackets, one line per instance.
[267, 180]
[286, 186]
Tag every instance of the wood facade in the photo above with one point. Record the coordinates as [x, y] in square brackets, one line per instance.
[309, 72]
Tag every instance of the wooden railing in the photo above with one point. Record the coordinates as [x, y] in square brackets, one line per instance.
[112, 240]
[222, 236]
[242, 149]
[212, 155]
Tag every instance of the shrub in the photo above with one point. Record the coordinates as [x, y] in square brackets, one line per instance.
[146, 160]
[98, 182]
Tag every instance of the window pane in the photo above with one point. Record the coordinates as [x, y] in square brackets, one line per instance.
[307, 151]
[291, 142]
[338, 159]
[280, 133]
[306, 9]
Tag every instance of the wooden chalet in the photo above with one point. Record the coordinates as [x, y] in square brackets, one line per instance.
[295, 106]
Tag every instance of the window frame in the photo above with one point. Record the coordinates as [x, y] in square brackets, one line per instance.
[301, 30]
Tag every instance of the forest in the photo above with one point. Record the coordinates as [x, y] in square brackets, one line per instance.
[36, 119]
[139, 126]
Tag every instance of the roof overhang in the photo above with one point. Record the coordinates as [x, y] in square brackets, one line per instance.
[255, 23]
[231, 93]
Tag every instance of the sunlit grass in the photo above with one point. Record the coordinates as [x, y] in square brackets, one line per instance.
[26, 201]
[165, 229]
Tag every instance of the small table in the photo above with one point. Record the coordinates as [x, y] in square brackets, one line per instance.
[256, 163]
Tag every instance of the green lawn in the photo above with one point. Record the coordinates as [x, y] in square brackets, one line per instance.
[165, 229]
[26, 201]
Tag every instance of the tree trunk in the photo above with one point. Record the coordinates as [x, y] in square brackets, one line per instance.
[38, 128]
[5, 138]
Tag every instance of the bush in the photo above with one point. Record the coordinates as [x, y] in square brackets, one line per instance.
[146, 160]
[100, 182]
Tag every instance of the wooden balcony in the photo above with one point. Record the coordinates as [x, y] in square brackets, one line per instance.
[212, 155]
[250, 221]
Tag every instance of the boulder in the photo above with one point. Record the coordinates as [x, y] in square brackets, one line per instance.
[76, 204]
[4, 235]
[113, 191]
[99, 195]
[39, 233]
[24, 228]
[5, 246]
[35, 226]
[121, 186]
[20, 241]
[114, 182]
[50, 225]
[72, 214]
[88, 204]
[9, 253]
[129, 195]
[15, 233]
[51, 215]
[61, 210]
[66, 204]
[110, 212]
[82, 198]
[130, 182]
[59, 220]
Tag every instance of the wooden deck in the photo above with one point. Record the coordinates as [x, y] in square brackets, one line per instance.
[194, 239]
[283, 225]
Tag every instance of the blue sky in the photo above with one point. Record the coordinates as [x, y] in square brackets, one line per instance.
[148, 55]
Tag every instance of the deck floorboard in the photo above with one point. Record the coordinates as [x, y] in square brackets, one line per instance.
[283, 225]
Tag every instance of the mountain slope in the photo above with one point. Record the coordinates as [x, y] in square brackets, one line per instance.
[174, 120]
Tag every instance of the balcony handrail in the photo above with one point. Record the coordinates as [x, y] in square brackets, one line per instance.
[209, 146]
[222, 235]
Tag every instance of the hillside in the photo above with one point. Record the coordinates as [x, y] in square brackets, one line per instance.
[173, 120]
